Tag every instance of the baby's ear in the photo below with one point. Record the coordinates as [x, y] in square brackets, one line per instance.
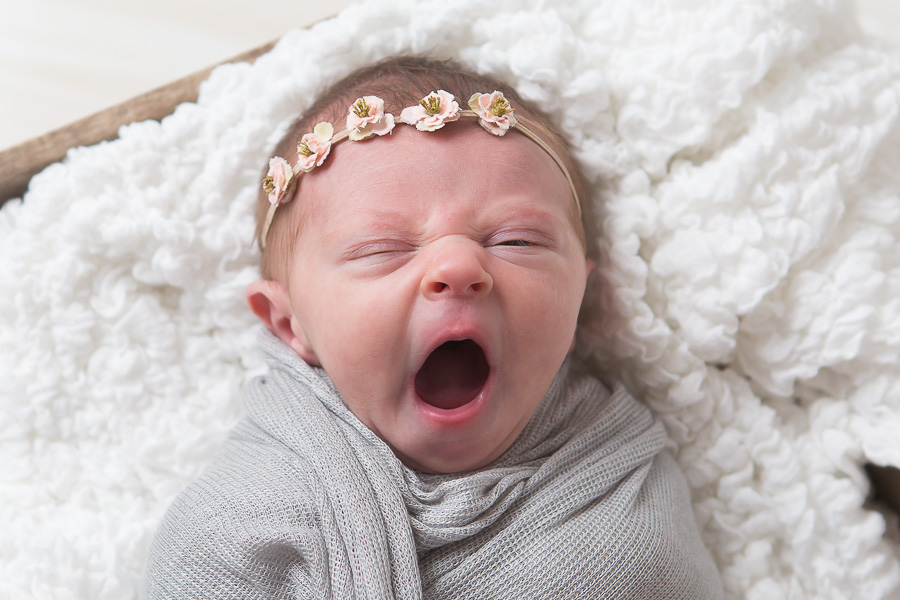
[270, 302]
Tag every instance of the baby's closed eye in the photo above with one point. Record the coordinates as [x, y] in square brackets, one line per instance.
[379, 249]
[519, 238]
[378, 259]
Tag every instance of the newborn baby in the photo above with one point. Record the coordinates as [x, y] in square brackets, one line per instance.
[423, 431]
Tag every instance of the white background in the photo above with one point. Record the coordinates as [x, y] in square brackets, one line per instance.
[61, 60]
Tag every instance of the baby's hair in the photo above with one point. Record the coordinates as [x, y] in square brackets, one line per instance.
[401, 81]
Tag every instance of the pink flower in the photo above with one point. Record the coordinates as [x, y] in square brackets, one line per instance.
[496, 115]
[314, 147]
[432, 111]
[367, 117]
[276, 181]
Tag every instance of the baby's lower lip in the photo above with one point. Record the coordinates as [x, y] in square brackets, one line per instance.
[454, 416]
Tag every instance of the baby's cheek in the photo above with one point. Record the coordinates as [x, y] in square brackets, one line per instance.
[362, 328]
[546, 317]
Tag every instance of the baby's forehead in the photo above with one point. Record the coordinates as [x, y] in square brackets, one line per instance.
[462, 157]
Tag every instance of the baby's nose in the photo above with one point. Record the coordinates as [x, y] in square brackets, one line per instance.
[456, 269]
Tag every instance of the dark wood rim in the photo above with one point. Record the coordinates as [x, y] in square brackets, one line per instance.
[20, 163]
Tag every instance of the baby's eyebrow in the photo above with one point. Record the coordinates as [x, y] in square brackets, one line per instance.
[378, 221]
[529, 211]
[519, 210]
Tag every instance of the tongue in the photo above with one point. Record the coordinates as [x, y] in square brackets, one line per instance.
[453, 375]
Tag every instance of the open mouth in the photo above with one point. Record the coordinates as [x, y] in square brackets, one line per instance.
[453, 375]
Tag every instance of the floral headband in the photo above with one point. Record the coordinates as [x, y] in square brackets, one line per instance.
[366, 118]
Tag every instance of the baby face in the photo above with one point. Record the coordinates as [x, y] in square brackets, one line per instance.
[437, 279]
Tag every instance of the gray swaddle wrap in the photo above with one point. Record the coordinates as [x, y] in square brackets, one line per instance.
[303, 501]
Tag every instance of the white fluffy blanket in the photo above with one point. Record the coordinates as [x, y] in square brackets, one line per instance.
[751, 281]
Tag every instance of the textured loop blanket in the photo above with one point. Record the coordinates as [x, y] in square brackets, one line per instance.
[744, 159]
[303, 501]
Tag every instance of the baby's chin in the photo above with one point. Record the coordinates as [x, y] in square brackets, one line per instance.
[448, 455]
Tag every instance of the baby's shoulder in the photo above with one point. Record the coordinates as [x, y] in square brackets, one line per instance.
[252, 474]
[242, 523]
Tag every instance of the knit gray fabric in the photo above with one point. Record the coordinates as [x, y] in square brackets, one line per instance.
[303, 501]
